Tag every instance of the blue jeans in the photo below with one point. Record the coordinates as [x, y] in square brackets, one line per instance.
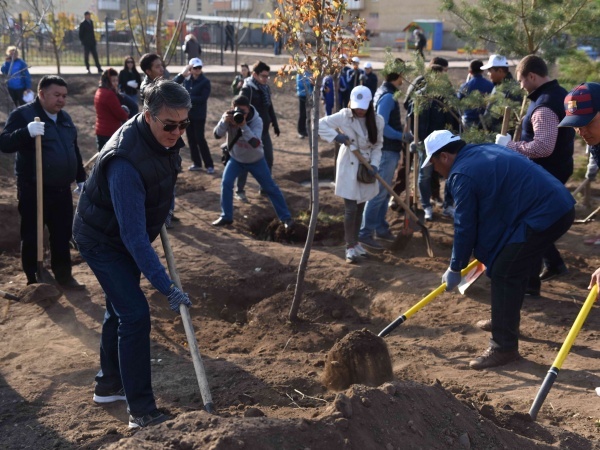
[425, 182]
[260, 171]
[373, 218]
[268, 149]
[125, 341]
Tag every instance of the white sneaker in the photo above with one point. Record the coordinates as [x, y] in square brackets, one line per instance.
[448, 211]
[360, 250]
[351, 255]
[428, 213]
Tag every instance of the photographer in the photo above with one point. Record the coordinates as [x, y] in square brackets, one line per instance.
[243, 127]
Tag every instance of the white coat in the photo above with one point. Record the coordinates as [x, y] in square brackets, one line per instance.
[344, 122]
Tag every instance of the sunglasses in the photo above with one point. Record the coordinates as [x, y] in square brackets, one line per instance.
[169, 127]
[197, 68]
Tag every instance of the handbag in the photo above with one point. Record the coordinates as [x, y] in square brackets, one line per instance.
[364, 175]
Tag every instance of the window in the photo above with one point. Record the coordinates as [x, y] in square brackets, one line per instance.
[198, 5]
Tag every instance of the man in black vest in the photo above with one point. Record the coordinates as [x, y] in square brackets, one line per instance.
[88, 40]
[62, 166]
[126, 201]
[544, 143]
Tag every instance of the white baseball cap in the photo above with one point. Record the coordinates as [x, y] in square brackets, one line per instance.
[355, 59]
[195, 62]
[495, 61]
[368, 65]
[435, 141]
[360, 97]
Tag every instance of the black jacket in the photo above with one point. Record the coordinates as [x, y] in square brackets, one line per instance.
[560, 162]
[395, 119]
[158, 167]
[125, 76]
[86, 33]
[60, 153]
[257, 99]
[199, 90]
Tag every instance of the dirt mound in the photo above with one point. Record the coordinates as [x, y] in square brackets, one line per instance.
[400, 415]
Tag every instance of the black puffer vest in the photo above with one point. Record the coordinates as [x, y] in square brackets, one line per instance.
[394, 121]
[157, 166]
[560, 162]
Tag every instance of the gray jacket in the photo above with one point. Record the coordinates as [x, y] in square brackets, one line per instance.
[248, 148]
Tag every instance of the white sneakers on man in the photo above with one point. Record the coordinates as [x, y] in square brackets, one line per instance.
[428, 213]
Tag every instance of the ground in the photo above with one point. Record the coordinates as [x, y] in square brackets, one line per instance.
[265, 373]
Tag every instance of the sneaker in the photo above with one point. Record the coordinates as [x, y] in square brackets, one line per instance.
[428, 213]
[448, 211]
[485, 324]
[241, 196]
[210, 170]
[195, 168]
[371, 243]
[351, 256]
[153, 418]
[360, 250]
[102, 395]
[548, 273]
[493, 357]
[386, 236]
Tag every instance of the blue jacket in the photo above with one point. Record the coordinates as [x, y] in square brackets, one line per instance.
[304, 87]
[199, 90]
[19, 77]
[476, 83]
[499, 194]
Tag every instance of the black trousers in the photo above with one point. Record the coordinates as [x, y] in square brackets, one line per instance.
[511, 271]
[17, 96]
[199, 150]
[58, 217]
[302, 116]
[87, 49]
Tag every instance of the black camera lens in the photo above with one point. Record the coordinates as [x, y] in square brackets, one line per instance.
[238, 115]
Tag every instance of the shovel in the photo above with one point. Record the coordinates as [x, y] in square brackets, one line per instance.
[590, 217]
[562, 354]
[8, 296]
[42, 276]
[433, 294]
[403, 205]
[187, 325]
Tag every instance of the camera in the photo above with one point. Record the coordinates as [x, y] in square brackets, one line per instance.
[238, 115]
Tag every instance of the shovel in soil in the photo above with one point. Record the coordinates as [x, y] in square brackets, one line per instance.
[433, 294]
[404, 206]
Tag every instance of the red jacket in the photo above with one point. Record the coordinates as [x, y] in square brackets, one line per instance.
[109, 114]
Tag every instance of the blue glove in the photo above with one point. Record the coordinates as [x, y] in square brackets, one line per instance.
[342, 139]
[177, 297]
[451, 278]
[374, 170]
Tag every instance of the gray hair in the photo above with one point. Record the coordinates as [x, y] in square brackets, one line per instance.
[165, 94]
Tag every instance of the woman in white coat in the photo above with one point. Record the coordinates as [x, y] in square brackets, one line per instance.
[356, 127]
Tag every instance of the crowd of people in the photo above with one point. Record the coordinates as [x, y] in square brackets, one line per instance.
[507, 199]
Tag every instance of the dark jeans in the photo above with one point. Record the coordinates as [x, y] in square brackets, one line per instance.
[302, 116]
[510, 275]
[58, 217]
[198, 145]
[268, 149]
[87, 49]
[125, 341]
[101, 141]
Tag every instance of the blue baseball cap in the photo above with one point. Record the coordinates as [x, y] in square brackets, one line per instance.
[581, 105]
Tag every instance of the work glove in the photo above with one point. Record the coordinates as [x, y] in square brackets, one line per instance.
[35, 129]
[374, 170]
[132, 84]
[125, 108]
[502, 139]
[79, 189]
[276, 129]
[342, 139]
[407, 137]
[451, 278]
[177, 297]
[413, 147]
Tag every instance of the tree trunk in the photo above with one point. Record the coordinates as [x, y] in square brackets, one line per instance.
[158, 28]
[314, 212]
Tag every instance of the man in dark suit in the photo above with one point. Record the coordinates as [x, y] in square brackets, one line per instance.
[88, 40]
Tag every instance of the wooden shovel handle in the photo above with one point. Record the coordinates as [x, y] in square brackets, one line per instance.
[505, 120]
[39, 179]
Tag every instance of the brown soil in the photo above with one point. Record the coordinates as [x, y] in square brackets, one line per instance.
[265, 373]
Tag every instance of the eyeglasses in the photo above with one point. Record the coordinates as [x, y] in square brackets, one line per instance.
[264, 77]
[169, 127]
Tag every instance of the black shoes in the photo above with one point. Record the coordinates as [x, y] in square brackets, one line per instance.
[221, 222]
[153, 418]
[549, 273]
[72, 284]
[493, 357]
[103, 395]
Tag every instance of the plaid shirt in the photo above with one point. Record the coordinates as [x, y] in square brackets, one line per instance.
[545, 132]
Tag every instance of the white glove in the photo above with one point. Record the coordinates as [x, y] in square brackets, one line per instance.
[502, 139]
[132, 84]
[79, 189]
[125, 108]
[35, 129]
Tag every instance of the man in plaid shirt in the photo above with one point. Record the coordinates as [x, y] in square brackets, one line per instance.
[544, 143]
